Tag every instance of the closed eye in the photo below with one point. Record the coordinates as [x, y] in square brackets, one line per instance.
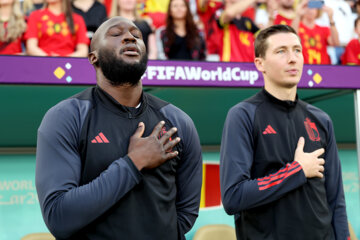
[115, 33]
[136, 34]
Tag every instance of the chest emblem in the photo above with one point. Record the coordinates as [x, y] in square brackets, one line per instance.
[100, 138]
[269, 130]
[311, 130]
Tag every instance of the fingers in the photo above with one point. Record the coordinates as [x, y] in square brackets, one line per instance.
[168, 135]
[321, 161]
[321, 168]
[171, 155]
[157, 129]
[320, 175]
[140, 130]
[300, 145]
[171, 144]
[318, 152]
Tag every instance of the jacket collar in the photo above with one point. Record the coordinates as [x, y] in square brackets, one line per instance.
[111, 104]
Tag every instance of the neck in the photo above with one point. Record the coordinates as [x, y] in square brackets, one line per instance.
[126, 95]
[287, 12]
[127, 14]
[55, 7]
[308, 23]
[84, 5]
[282, 93]
[5, 12]
[180, 28]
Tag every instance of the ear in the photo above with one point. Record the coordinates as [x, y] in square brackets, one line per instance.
[93, 58]
[259, 63]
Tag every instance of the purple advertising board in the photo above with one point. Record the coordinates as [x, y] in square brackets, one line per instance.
[78, 71]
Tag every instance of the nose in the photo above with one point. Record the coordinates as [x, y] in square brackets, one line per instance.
[128, 37]
[293, 56]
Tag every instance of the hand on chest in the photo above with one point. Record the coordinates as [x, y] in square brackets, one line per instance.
[277, 137]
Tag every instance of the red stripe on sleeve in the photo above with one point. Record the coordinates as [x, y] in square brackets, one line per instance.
[278, 176]
[288, 174]
[292, 165]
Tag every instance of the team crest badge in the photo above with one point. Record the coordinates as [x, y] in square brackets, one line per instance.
[311, 130]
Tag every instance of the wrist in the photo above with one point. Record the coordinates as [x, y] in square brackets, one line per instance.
[332, 23]
[136, 161]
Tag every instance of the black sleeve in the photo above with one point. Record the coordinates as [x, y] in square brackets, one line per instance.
[239, 191]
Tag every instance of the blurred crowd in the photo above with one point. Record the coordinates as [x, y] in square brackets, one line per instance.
[212, 30]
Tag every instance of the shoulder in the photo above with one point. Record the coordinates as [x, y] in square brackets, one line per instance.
[71, 110]
[154, 101]
[243, 109]
[247, 108]
[161, 33]
[77, 17]
[317, 112]
[354, 42]
[99, 5]
[37, 13]
[322, 28]
[174, 114]
[161, 30]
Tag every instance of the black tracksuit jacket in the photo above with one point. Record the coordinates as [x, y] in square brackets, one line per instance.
[262, 185]
[89, 188]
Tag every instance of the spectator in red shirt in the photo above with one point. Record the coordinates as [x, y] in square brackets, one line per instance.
[12, 27]
[56, 31]
[206, 10]
[315, 38]
[281, 12]
[234, 33]
[351, 55]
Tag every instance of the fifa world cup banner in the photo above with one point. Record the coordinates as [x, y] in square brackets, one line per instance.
[78, 71]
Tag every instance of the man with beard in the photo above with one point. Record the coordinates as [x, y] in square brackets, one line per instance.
[114, 162]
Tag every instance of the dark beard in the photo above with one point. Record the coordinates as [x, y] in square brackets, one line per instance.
[118, 72]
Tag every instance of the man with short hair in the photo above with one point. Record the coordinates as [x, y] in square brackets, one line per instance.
[114, 162]
[280, 172]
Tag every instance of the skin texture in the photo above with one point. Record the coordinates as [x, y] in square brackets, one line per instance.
[282, 68]
[121, 39]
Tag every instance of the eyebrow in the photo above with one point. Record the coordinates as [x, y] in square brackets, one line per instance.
[120, 25]
[285, 46]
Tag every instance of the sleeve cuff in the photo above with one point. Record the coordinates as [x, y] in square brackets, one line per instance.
[302, 173]
[134, 171]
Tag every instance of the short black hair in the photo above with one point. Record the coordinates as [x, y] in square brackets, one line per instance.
[260, 41]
